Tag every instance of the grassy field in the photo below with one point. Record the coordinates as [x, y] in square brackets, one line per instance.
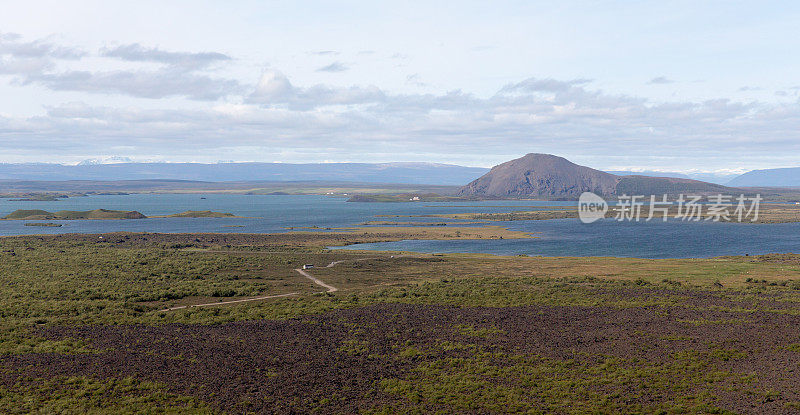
[83, 330]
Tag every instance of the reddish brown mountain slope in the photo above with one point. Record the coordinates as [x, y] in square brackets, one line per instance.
[544, 176]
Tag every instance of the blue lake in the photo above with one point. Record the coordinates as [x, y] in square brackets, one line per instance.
[672, 239]
[263, 213]
[566, 237]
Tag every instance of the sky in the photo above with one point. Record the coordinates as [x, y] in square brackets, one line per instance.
[711, 86]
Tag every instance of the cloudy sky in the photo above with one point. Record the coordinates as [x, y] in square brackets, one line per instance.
[664, 85]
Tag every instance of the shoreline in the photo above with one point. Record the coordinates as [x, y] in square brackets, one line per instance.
[347, 242]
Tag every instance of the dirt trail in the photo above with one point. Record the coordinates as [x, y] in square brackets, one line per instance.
[362, 259]
[332, 264]
[229, 302]
[317, 281]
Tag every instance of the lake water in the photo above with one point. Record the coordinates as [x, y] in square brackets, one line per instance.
[262, 213]
[673, 239]
[565, 237]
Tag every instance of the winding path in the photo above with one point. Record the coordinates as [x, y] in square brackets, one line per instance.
[317, 281]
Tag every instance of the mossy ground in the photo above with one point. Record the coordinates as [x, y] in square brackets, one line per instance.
[464, 333]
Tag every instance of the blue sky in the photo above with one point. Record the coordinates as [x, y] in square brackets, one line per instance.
[686, 86]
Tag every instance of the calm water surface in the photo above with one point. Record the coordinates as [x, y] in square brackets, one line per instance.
[274, 213]
[673, 239]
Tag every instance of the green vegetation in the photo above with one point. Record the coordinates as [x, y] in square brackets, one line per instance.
[24, 214]
[542, 385]
[40, 196]
[79, 394]
[121, 278]
[199, 214]
[436, 232]
[405, 197]
[768, 213]
[37, 214]
[470, 333]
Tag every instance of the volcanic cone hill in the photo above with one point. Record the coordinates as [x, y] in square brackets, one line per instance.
[545, 176]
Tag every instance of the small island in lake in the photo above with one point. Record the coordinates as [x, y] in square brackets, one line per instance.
[37, 214]
[199, 214]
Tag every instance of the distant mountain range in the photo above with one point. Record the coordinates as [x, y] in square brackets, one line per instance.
[117, 169]
[552, 177]
[407, 173]
[718, 178]
[787, 177]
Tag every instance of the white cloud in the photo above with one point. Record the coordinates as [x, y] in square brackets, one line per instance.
[161, 83]
[415, 80]
[324, 53]
[15, 66]
[24, 58]
[367, 124]
[660, 80]
[186, 60]
[544, 85]
[180, 75]
[274, 88]
[276, 117]
[334, 67]
[10, 44]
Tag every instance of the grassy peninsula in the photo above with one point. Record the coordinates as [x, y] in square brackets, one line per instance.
[768, 213]
[36, 214]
